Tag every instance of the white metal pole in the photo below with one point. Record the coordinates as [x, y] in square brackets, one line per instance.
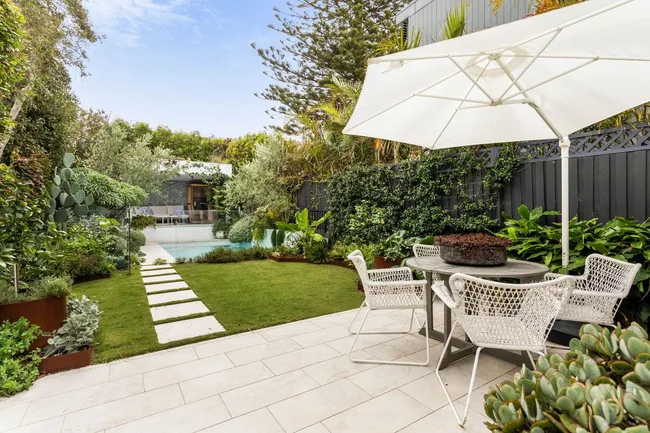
[565, 144]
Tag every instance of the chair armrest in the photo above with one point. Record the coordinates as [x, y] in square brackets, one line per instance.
[596, 294]
[442, 291]
[391, 274]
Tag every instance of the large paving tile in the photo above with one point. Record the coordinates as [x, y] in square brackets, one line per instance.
[300, 358]
[444, 420]
[260, 421]
[178, 310]
[189, 418]
[186, 371]
[374, 321]
[385, 414]
[161, 279]
[217, 383]
[428, 390]
[162, 287]
[263, 351]
[338, 368]
[342, 345]
[258, 395]
[189, 328]
[10, 416]
[73, 401]
[163, 298]
[48, 426]
[153, 267]
[288, 330]
[61, 383]
[316, 405]
[119, 412]
[488, 367]
[228, 344]
[336, 319]
[157, 272]
[386, 377]
[316, 428]
[143, 364]
[321, 336]
[398, 348]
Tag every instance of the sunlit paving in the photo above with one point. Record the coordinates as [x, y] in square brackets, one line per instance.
[324, 216]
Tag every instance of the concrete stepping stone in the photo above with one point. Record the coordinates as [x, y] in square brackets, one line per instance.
[178, 310]
[171, 297]
[153, 288]
[158, 272]
[189, 328]
[152, 267]
[161, 278]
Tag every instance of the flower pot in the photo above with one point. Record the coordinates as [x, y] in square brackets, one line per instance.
[474, 256]
[384, 263]
[48, 314]
[69, 361]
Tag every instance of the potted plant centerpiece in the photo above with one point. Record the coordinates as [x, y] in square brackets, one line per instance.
[476, 249]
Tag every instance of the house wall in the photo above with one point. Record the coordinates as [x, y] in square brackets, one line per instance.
[428, 16]
[174, 193]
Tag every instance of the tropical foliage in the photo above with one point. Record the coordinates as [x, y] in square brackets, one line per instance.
[620, 238]
[303, 231]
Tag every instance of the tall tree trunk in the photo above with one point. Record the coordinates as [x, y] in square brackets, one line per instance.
[15, 111]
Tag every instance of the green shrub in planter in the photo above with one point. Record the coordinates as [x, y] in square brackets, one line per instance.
[18, 366]
[242, 230]
[52, 287]
[317, 252]
[78, 332]
[602, 386]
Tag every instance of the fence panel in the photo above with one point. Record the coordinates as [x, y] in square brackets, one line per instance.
[609, 175]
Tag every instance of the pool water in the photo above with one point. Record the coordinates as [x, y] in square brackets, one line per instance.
[195, 249]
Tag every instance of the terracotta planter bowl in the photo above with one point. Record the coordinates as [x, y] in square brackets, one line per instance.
[476, 256]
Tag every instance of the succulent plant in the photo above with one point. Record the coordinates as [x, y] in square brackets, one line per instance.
[601, 386]
[67, 195]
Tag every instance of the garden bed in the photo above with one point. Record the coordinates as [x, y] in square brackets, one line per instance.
[70, 361]
[48, 314]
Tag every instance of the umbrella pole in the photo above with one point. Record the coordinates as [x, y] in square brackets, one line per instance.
[565, 144]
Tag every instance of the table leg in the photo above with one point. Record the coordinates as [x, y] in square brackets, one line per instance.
[428, 296]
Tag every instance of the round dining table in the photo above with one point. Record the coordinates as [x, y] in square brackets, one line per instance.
[524, 272]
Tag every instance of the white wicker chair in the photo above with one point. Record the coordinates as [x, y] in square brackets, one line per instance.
[392, 289]
[502, 316]
[426, 250]
[599, 291]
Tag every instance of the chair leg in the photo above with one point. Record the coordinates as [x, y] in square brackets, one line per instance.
[383, 332]
[379, 361]
[461, 422]
[363, 304]
[530, 356]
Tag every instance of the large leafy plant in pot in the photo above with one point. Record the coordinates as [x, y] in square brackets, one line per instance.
[303, 233]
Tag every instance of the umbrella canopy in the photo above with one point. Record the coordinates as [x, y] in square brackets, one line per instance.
[541, 77]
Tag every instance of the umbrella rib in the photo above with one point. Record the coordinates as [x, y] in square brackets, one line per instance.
[475, 81]
[442, 80]
[460, 105]
[449, 98]
[516, 80]
[548, 80]
[570, 57]
[531, 102]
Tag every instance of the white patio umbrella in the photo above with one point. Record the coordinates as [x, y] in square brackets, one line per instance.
[537, 78]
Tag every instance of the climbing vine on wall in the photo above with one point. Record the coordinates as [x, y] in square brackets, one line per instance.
[441, 193]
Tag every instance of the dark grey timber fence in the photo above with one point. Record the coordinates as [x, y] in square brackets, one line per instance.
[609, 177]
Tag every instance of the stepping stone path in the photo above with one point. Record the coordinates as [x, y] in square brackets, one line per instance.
[163, 278]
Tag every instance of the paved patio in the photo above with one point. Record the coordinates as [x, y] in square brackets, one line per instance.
[290, 378]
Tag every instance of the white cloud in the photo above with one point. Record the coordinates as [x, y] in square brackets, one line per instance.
[126, 20]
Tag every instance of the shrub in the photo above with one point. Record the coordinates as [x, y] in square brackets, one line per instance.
[86, 247]
[52, 286]
[159, 261]
[222, 224]
[317, 253]
[78, 332]
[141, 222]
[242, 230]
[602, 385]
[120, 263]
[138, 240]
[397, 246]
[181, 260]
[18, 366]
[111, 193]
[228, 255]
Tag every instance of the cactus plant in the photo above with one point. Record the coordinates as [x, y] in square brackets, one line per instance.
[601, 386]
[68, 196]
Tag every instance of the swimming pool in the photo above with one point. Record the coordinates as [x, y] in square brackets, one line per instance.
[195, 249]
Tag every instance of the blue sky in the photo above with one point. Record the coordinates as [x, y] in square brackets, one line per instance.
[186, 64]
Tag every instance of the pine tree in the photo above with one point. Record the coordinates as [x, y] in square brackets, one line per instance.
[322, 39]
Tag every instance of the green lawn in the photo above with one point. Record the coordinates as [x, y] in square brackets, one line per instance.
[242, 296]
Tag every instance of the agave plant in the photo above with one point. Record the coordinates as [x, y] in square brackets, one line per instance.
[601, 386]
